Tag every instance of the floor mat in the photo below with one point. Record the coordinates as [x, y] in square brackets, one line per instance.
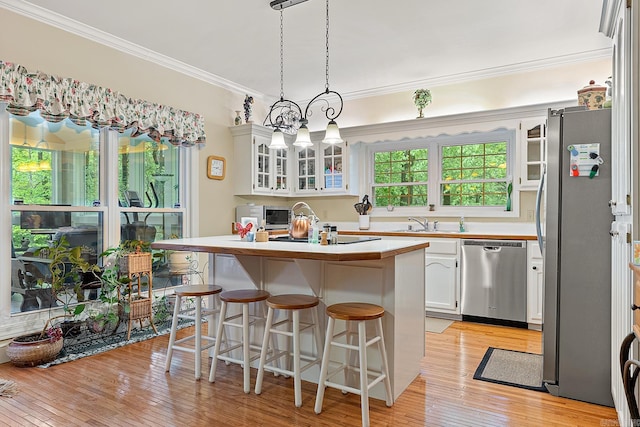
[513, 368]
[435, 325]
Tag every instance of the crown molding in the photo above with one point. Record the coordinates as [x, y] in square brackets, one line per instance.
[85, 31]
[72, 26]
[520, 67]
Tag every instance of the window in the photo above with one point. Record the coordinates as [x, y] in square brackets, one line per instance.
[474, 174]
[455, 174]
[401, 177]
[62, 176]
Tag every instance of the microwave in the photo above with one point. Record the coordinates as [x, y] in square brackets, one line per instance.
[274, 217]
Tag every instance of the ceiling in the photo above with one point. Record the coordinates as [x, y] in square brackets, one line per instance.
[376, 46]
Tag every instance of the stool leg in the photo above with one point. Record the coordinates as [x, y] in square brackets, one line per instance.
[172, 336]
[324, 366]
[385, 366]
[216, 347]
[364, 380]
[297, 384]
[198, 337]
[316, 331]
[264, 350]
[245, 347]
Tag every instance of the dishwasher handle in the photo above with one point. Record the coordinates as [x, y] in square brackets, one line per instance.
[492, 248]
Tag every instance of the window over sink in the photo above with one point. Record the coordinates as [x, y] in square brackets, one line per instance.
[466, 174]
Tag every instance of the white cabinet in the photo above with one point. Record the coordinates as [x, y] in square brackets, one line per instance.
[535, 284]
[442, 276]
[256, 169]
[533, 138]
[322, 170]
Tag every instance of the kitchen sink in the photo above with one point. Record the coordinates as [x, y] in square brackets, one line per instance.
[426, 232]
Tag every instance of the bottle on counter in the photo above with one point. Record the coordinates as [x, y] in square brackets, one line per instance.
[312, 226]
[462, 224]
[334, 235]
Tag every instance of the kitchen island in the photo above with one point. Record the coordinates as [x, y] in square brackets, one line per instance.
[390, 273]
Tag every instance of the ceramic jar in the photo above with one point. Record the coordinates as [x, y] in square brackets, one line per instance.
[592, 96]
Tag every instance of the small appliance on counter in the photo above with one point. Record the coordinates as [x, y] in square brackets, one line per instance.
[273, 217]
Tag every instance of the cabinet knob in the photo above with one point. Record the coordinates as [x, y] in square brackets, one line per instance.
[534, 267]
[634, 307]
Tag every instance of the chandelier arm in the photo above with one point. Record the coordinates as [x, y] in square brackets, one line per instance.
[328, 110]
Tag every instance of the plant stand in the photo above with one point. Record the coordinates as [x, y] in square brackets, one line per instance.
[137, 265]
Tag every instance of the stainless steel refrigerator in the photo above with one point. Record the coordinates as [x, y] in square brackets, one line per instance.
[576, 248]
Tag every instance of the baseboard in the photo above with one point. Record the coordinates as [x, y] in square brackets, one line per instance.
[448, 316]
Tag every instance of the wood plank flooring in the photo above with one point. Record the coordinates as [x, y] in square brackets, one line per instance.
[128, 387]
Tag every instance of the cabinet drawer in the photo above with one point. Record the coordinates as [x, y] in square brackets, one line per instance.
[443, 246]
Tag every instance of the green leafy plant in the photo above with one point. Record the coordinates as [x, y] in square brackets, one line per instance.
[422, 98]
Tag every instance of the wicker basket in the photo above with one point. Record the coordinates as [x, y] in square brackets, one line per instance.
[135, 262]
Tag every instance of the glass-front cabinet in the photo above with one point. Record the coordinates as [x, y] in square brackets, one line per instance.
[321, 169]
[533, 138]
[256, 168]
[67, 179]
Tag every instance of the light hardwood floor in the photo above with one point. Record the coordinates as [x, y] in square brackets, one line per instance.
[128, 387]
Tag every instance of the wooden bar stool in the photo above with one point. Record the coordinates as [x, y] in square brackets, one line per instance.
[293, 304]
[244, 297]
[196, 314]
[360, 313]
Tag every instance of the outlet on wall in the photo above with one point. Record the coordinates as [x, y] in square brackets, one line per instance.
[530, 216]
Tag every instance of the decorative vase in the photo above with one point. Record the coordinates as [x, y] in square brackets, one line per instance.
[180, 262]
[238, 119]
[31, 350]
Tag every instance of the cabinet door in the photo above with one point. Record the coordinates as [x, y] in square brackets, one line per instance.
[441, 283]
[535, 284]
[333, 178]
[280, 159]
[535, 289]
[305, 164]
[262, 166]
[533, 137]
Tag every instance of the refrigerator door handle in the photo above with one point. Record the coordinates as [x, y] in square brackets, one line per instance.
[538, 207]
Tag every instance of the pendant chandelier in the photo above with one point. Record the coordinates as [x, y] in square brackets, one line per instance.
[286, 116]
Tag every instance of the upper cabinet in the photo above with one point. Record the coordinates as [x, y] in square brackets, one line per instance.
[318, 170]
[257, 169]
[321, 170]
[533, 138]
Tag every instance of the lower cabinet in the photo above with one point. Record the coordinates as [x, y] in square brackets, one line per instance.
[442, 290]
[535, 284]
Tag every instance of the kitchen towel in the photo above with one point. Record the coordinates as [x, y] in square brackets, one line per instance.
[513, 368]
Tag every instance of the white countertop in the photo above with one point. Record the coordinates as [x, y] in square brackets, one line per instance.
[232, 244]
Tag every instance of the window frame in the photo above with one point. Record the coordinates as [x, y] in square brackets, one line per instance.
[434, 145]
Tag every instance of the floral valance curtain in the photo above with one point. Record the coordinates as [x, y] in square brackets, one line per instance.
[59, 98]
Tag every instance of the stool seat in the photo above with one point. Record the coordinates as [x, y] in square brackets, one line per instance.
[292, 302]
[355, 311]
[244, 296]
[197, 290]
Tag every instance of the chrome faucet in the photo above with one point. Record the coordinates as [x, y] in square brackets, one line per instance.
[424, 222]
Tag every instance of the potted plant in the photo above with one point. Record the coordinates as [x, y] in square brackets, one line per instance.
[67, 266]
[422, 98]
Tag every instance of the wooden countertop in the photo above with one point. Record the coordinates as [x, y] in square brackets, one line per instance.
[362, 251]
[431, 234]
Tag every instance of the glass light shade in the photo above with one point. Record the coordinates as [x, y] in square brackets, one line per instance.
[277, 140]
[332, 135]
[303, 139]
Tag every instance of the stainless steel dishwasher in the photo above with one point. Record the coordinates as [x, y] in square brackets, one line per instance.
[494, 279]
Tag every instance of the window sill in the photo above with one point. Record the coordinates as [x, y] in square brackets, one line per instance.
[453, 212]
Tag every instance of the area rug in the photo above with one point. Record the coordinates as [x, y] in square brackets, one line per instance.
[435, 325]
[8, 388]
[84, 348]
[512, 368]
